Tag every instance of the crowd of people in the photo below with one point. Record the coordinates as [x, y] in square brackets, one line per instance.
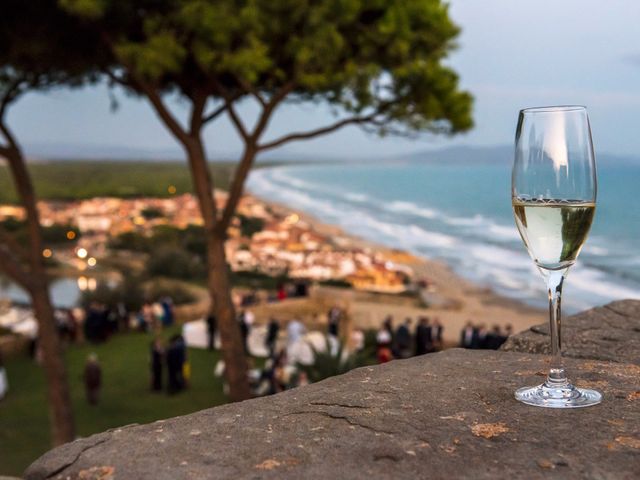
[406, 341]
[283, 291]
[97, 322]
[281, 370]
[170, 369]
[479, 337]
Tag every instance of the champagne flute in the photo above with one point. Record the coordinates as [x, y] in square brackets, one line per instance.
[553, 192]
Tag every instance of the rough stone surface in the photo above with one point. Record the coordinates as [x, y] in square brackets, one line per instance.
[445, 415]
[608, 333]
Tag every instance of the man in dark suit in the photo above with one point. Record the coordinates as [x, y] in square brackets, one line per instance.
[469, 336]
[211, 331]
[403, 340]
[272, 336]
[424, 340]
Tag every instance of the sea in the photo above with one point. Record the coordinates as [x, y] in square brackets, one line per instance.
[460, 212]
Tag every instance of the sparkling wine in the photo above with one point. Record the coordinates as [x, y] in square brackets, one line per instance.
[553, 230]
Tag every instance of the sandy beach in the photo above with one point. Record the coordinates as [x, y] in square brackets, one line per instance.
[450, 298]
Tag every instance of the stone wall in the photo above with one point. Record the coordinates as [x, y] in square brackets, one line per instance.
[444, 415]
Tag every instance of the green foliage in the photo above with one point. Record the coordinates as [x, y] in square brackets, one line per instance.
[130, 292]
[57, 234]
[190, 239]
[378, 56]
[250, 225]
[132, 241]
[41, 47]
[255, 279]
[327, 364]
[179, 293]
[13, 225]
[84, 8]
[135, 290]
[194, 240]
[151, 213]
[175, 263]
[371, 341]
[53, 235]
[80, 179]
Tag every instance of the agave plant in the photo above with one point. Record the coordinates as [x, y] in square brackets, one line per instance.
[332, 361]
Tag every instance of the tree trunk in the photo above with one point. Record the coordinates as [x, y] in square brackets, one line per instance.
[60, 407]
[218, 279]
[232, 345]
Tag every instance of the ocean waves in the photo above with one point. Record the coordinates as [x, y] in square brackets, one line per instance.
[483, 247]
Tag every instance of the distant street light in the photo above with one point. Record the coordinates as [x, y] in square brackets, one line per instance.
[82, 253]
[71, 234]
[46, 253]
[92, 262]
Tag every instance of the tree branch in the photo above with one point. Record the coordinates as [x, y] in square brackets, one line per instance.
[319, 131]
[11, 93]
[163, 112]
[5, 151]
[213, 115]
[156, 101]
[27, 196]
[12, 144]
[249, 155]
[235, 119]
[115, 78]
[268, 110]
[228, 104]
[220, 110]
[235, 190]
[251, 90]
[196, 122]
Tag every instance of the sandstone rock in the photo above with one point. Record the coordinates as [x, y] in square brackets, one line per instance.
[608, 333]
[445, 415]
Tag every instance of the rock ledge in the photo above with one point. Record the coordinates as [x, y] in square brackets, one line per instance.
[446, 415]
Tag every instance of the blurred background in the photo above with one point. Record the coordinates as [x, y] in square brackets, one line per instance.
[375, 222]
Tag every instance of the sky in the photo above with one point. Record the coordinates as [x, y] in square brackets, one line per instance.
[512, 54]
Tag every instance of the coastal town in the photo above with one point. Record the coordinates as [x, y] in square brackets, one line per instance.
[285, 243]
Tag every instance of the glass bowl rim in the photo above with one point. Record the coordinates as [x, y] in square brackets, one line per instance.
[554, 109]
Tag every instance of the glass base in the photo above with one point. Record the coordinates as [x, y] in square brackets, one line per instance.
[558, 396]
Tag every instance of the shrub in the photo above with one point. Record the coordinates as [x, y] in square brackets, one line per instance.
[250, 225]
[166, 288]
[174, 262]
[151, 213]
[133, 241]
[129, 292]
[327, 364]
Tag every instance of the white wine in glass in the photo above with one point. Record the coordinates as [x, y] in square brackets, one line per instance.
[553, 193]
[553, 230]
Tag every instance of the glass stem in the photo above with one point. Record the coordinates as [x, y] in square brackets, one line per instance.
[557, 376]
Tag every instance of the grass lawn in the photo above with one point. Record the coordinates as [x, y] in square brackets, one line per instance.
[76, 179]
[125, 396]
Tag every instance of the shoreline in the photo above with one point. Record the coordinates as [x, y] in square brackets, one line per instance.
[456, 300]
[451, 298]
